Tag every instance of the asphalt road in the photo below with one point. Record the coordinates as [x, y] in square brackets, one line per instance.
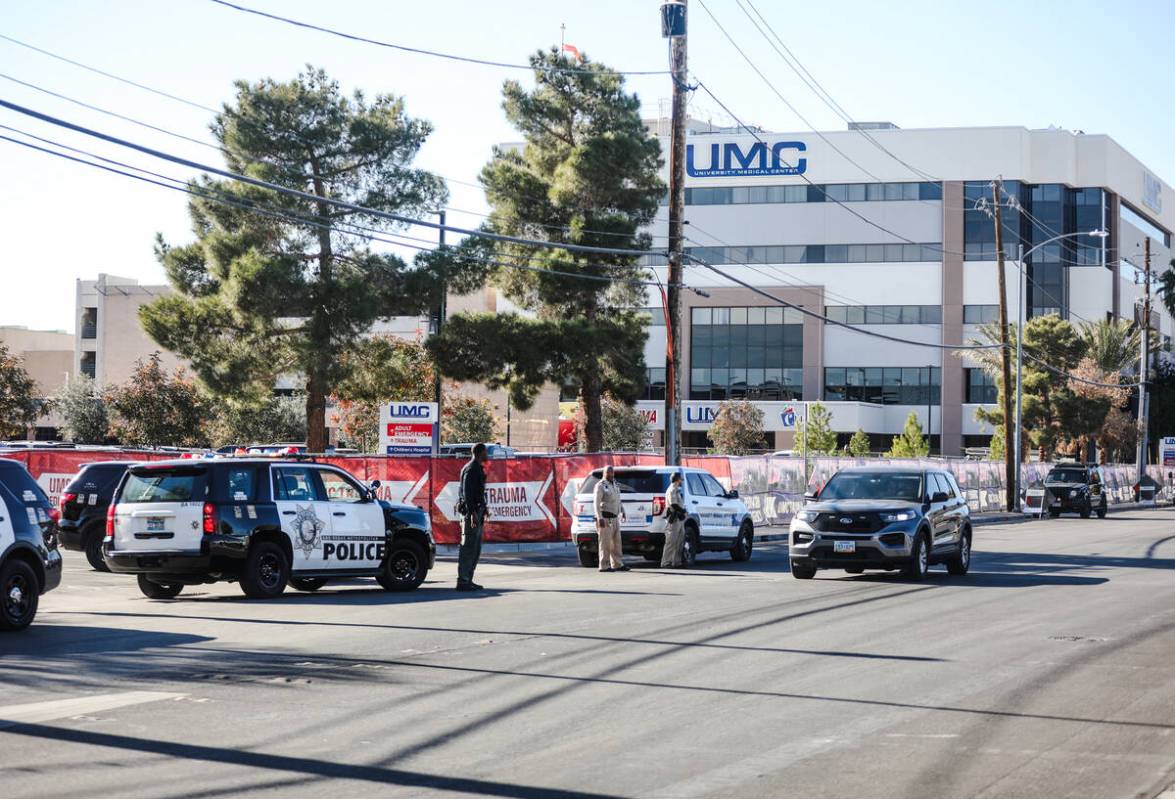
[1048, 671]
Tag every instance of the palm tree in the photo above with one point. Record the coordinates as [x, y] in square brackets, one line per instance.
[1113, 345]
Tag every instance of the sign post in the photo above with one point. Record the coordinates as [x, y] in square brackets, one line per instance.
[407, 428]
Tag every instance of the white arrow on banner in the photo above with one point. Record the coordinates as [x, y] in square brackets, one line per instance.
[508, 502]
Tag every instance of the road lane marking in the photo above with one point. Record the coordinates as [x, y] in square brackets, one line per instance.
[38, 712]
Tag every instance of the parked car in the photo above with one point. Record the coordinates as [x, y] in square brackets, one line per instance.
[718, 520]
[883, 518]
[1075, 488]
[495, 451]
[265, 523]
[30, 563]
[83, 505]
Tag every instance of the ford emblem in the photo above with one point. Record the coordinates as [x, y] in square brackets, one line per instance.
[845, 520]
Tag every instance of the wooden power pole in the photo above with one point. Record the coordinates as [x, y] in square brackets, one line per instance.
[1144, 366]
[1005, 353]
[674, 27]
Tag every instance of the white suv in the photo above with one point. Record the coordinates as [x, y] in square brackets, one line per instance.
[718, 520]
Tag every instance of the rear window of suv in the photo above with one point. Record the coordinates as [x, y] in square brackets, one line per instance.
[164, 485]
[96, 478]
[21, 485]
[643, 482]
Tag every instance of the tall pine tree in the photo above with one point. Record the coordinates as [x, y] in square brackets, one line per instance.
[587, 174]
[259, 296]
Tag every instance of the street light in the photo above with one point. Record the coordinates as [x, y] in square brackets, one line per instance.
[1020, 312]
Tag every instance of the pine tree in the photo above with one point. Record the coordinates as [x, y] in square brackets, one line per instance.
[588, 174]
[911, 443]
[859, 444]
[259, 296]
[815, 435]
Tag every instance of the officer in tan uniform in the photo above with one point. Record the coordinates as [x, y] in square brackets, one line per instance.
[609, 511]
[671, 555]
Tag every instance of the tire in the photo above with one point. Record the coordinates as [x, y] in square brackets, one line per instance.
[307, 583]
[94, 551]
[802, 572]
[588, 559]
[20, 592]
[743, 545]
[855, 570]
[404, 567]
[267, 571]
[1053, 514]
[919, 563]
[689, 547]
[153, 590]
[961, 562]
[1101, 512]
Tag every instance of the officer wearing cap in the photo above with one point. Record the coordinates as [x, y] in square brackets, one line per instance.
[609, 511]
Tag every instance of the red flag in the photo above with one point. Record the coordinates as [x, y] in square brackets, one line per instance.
[570, 48]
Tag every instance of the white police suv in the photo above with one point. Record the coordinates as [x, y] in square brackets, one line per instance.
[30, 563]
[718, 520]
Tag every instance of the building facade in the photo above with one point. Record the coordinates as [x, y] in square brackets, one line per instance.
[891, 231]
[48, 357]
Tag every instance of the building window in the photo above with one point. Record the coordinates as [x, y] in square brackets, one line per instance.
[89, 323]
[980, 387]
[833, 192]
[657, 316]
[809, 254]
[909, 385]
[885, 314]
[746, 353]
[89, 364]
[980, 314]
[654, 384]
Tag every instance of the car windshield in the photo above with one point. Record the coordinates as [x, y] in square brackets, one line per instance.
[904, 486]
[158, 485]
[1066, 476]
[642, 482]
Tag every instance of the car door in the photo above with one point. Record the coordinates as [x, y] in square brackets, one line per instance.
[305, 515]
[357, 523]
[725, 518]
[939, 515]
[700, 503]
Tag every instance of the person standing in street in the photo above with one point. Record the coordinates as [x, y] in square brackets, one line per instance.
[609, 512]
[671, 553]
[471, 504]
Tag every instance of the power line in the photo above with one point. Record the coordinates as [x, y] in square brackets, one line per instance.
[434, 53]
[312, 197]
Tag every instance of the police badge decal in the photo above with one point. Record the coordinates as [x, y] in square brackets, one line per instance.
[307, 527]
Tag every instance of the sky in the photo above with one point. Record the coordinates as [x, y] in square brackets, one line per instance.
[1077, 64]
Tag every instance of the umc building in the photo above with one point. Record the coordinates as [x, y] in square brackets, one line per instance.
[891, 231]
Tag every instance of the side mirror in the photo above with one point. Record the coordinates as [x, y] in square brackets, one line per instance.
[375, 484]
[732, 493]
[939, 496]
[811, 496]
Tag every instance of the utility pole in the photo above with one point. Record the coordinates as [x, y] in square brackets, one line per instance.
[1021, 278]
[673, 26]
[438, 321]
[997, 190]
[1144, 368]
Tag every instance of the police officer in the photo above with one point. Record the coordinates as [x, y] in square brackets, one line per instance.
[609, 512]
[671, 556]
[473, 509]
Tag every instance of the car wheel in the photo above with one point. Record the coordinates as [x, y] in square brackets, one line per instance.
[743, 545]
[267, 570]
[802, 572]
[689, 547]
[404, 568]
[961, 562]
[19, 594]
[1053, 514]
[919, 563]
[588, 559]
[855, 570]
[1101, 512]
[94, 551]
[307, 583]
[154, 590]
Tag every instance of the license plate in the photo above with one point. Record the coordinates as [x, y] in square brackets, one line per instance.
[155, 524]
[844, 546]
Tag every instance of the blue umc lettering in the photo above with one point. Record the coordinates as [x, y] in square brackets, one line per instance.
[729, 160]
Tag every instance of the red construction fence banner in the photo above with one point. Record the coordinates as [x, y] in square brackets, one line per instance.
[532, 499]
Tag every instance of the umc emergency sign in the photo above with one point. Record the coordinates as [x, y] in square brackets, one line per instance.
[406, 428]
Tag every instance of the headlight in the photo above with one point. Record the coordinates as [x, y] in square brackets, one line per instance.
[1074, 492]
[900, 516]
[807, 515]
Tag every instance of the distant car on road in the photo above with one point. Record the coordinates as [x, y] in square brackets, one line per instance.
[495, 451]
[883, 518]
[83, 507]
[262, 522]
[718, 520]
[30, 563]
[1075, 488]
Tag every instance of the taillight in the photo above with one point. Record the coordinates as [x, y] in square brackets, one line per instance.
[209, 518]
[54, 514]
[658, 505]
[65, 500]
[110, 524]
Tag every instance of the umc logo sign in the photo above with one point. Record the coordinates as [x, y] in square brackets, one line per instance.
[411, 411]
[729, 160]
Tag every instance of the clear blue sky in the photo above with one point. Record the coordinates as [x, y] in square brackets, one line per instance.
[1079, 64]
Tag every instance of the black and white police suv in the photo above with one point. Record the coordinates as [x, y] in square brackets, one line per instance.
[30, 563]
[718, 520]
[264, 523]
[83, 506]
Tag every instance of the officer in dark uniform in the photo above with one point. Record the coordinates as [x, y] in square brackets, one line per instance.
[473, 509]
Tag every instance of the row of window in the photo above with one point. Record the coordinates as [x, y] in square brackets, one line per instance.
[810, 254]
[752, 384]
[777, 315]
[885, 314]
[816, 193]
[884, 385]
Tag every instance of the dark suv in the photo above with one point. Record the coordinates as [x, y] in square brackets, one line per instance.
[1075, 488]
[30, 563]
[261, 522]
[883, 518]
[83, 508]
